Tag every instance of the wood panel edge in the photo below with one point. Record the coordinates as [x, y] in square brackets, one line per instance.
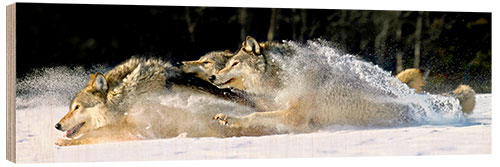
[11, 82]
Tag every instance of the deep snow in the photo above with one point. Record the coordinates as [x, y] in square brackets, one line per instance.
[36, 136]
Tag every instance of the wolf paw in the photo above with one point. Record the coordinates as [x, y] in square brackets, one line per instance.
[227, 121]
[63, 142]
[66, 142]
[221, 119]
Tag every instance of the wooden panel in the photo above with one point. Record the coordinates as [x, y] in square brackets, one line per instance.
[11, 82]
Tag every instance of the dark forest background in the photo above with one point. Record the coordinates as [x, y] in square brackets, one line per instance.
[454, 46]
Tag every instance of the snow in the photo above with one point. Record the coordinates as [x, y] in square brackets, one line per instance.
[36, 136]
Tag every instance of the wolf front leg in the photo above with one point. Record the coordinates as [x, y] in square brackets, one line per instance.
[70, 142]
[93, 139]
[265, 123]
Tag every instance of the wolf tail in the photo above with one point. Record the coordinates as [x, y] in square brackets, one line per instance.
[467, 97]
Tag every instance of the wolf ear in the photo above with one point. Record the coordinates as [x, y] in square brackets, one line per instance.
[251, 44]
[100, 84]
[228, 53]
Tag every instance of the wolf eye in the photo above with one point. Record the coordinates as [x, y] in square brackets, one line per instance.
[235, 63]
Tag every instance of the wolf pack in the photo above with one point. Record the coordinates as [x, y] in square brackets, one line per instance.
[263, 88]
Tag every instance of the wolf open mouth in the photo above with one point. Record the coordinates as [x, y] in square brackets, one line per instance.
[74, 130]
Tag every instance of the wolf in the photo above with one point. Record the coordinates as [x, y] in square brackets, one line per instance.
[252, 69]
[107, 108]
[320, 98]
[100, 103]
[415, 79]
[252, 59]
[208, 64]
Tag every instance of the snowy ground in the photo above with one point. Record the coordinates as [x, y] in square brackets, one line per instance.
[36, 136]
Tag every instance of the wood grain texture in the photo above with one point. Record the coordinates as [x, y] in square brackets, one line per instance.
[11, 82]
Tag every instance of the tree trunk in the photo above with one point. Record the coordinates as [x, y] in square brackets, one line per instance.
[418, 34]
[314, 27]
[242, 19]
[272, 25]
[399, 62]
[190, 25]
[293, 20]
[399, 53]
[380, 42]
[303, 18]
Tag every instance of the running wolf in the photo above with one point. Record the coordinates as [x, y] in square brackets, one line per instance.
[207, 65]
[211, 63]
[106, 96]
[322, 103]
[414, 78]
[102, 110]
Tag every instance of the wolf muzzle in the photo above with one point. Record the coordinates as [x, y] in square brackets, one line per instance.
[212, 78]
[58, 126]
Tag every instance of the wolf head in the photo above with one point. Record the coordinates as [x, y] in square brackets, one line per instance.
[239, 71]
[207, 65]
[88, 110]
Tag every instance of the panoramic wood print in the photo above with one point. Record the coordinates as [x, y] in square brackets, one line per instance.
[93, 83]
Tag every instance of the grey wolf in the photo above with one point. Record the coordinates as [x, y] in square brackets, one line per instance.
[252, 69]
[211, 63]
[319, 97]
[102, 102]
[121, 105]
[207, 65]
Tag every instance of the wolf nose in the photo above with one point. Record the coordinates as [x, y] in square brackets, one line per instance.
[58, 126]
[212, 78]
